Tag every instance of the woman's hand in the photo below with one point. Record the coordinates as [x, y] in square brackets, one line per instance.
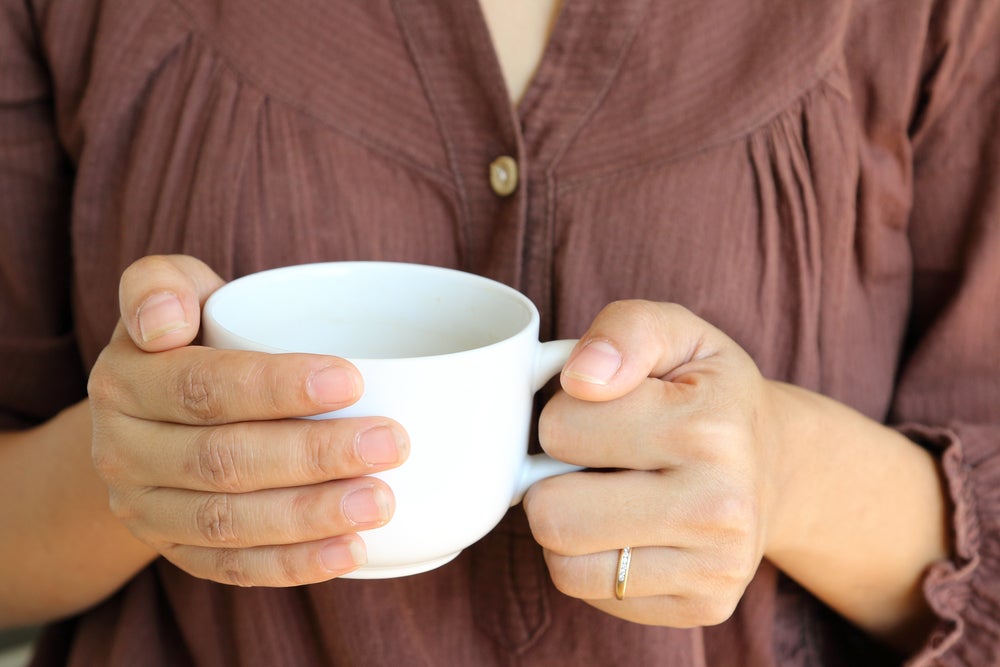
[203, 455]
[685, 415]
[717, 467]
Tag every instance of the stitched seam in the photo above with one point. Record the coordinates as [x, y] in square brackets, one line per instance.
[428, 170]
[449, 147]
[583, 180]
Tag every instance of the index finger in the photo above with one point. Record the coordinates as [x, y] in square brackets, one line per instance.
[200, 385]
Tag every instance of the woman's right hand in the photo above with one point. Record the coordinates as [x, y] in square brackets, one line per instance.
[202, 453]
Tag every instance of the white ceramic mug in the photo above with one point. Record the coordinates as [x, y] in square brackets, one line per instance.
[451, 356]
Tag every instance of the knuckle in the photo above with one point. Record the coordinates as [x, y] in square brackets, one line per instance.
[106, 463]
[705, 610]
[564, 578]
[570, 588]
[263, 375]
[219, 460]
[552, 433]
[287, 568]
[732, 513]
[673, 310]
[635, 310]
[121, 505]
[720, 416]
[196, 390]
[110, 456]
[305, 510]
[648, 318]
[103, 387]
[272, 566]
[323, 457]
[650, 314]
[97, 384]
[541, 509]
[732, 571]
[264, 381]
[230, 568]
[104, 457]
[215, 519]
[714, 438]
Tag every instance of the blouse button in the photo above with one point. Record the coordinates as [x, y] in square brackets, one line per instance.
[503, 175]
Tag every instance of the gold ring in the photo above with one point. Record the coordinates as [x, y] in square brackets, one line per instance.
[621, 580]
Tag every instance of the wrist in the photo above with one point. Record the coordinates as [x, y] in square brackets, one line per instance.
[789, 464]
[857, 513]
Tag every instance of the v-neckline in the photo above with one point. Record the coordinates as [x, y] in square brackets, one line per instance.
[504, 48]
[457, 59]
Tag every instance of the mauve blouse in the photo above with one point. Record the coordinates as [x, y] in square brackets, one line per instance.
[821, 180]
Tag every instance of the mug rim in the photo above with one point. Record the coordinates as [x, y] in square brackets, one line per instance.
[211, 320]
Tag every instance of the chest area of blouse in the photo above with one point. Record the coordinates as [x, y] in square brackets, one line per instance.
[651, 134]
[415, 76]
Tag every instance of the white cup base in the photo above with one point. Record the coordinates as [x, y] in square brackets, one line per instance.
[369, 572]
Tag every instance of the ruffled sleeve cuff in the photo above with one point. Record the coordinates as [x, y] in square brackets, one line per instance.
[964, 592]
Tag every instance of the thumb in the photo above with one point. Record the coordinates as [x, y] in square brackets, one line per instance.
[160, 297]
[630, 341]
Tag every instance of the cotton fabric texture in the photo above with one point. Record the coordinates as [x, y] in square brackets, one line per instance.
[818, 179]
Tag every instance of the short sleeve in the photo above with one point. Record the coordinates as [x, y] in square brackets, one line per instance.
[948, 395]
[40, 370]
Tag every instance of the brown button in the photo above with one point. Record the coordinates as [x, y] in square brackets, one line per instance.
[503, 175]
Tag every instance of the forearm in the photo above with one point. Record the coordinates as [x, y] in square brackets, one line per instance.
[860, 516]
[62, 550]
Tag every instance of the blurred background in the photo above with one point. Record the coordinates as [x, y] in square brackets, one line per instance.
[15, 646]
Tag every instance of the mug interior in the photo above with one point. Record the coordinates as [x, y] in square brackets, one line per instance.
[370, 310]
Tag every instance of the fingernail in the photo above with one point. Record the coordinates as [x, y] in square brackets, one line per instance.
[597, 363]
[343, 555]
[379, 446]
[366, 506]
[332, 385]
[160, 315]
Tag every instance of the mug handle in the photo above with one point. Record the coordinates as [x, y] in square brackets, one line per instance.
[549, 360]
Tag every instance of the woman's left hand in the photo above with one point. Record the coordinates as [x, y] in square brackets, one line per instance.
[685, 419]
